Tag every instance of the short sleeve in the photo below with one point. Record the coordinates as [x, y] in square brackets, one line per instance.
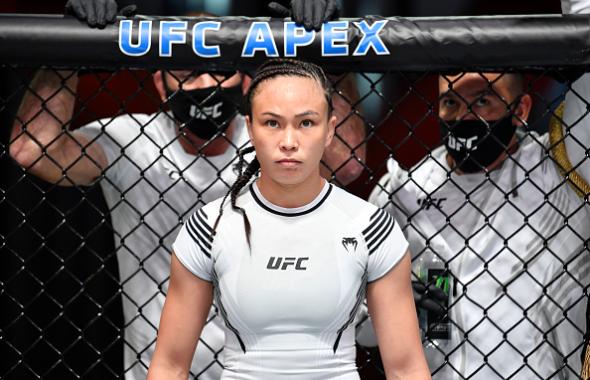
[193, 246]
[386, 244]
[118, 137]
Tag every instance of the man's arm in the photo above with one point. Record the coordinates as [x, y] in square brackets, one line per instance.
[345, 156]
[41, 141]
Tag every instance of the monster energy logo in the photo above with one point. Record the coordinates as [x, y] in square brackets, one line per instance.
[439, 327]
[442, 282]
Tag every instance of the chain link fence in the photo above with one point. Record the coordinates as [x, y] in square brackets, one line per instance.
[497, 222]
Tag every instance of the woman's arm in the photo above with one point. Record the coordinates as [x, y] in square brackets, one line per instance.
[187, 304]
[392, 310]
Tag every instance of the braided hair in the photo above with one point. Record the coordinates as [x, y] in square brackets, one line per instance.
[270, 69]
[237, 186]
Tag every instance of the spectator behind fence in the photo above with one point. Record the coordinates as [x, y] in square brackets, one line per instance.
[495, 206]
[296, 321]
[154, 170]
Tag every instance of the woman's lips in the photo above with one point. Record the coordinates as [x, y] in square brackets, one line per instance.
[288, 162]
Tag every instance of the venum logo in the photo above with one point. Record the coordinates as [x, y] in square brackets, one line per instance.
[283, 263]
[349, 243]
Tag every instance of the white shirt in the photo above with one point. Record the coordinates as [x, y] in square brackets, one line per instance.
[506, 238]
[289, 302]
[150, 187]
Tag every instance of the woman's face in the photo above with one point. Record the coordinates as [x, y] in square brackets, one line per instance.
[290, 127]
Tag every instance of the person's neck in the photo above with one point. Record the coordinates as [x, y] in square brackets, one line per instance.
[195, 145]
[511, 149]
[291, 196]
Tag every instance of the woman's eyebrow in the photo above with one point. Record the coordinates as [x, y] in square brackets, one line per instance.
[272, 114]
[307, 113]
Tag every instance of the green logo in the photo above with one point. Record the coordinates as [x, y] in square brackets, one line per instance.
[442, 282]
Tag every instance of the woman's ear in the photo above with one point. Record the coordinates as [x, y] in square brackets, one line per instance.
[249, 128]
[331, 130]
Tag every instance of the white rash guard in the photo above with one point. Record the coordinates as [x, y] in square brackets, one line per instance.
[289, 302]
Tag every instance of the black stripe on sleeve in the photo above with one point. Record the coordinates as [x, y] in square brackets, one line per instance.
[376, 213]
[197, 239]
[203, 221]
[378, 233]
[202, 229]
[384, 236]
[200, 235]
[381, 225]
[383, 219]
[375, 218]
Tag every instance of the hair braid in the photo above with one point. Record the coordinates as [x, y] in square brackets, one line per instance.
[237, 186]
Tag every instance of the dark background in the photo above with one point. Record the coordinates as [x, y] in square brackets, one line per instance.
[60, 311]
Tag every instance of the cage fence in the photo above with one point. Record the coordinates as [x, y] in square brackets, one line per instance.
[499, 245]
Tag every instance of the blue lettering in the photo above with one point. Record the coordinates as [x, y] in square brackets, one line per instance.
[259, 37]
[333, 32]
[144, 40]
[296, 36]
[199, 46]
[171, 32]
[371, 38]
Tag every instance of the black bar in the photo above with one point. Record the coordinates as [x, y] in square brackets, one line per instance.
[414, 44]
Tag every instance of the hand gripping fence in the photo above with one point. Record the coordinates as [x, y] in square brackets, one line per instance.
[85, 237]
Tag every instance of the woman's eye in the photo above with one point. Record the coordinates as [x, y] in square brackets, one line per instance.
[307, 123]
[272, 123]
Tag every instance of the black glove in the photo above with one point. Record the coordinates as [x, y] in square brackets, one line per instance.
[309, 13]
[430, 298]
[97, 13]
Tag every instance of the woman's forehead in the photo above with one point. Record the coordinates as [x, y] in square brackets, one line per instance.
[290, 89]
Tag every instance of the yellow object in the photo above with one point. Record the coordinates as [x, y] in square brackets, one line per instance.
[581, 187]
[559, 153]
[586, 367]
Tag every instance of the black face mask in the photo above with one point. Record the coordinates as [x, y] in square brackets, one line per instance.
[207, 111]
[475, 145]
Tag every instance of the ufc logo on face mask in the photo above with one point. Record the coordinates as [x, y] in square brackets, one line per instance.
[203, 112]
[283, 263]
[458, 143]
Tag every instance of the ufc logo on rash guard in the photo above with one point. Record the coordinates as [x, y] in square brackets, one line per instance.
[284, 262]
